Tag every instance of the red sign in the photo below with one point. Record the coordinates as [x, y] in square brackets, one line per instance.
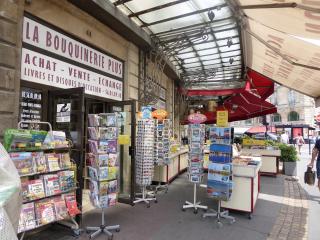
[197, 118]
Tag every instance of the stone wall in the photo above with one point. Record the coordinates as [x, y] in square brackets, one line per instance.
[10, 44]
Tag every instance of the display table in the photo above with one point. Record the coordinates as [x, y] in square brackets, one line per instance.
[177, 165]
[246, 187]
[269, 159]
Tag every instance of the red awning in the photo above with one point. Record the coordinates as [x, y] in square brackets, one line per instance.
[260, 129]
[259, 84]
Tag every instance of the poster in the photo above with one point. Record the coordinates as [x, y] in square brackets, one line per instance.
[63, 112]
[222, 118]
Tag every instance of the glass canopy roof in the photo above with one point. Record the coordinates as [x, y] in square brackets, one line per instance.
[200, 37]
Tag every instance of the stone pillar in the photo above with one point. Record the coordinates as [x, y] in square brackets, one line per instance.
[11, 16]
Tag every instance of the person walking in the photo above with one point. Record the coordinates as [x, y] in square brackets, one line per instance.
[316, 157]
[299, 142]
[284, 138]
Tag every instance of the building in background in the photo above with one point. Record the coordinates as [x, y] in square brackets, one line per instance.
[293, 109]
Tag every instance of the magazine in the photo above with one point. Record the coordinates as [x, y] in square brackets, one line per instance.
[108, 119]
[45, 211]
[112, 199]
[60, 208]
[103, 188]
[112, 186]
[67, 180]
[24, 189]
[36, 189]
[112, 162]
[93, 133]
[65, 161]
[94, 120]
[24, 163]
[53, 161]
[103, 173]
[40, 161]
[93, 186]
[52, 184]
[71, 203]
[112, 172]
[93, 173]
[112, 146]
[27, 217]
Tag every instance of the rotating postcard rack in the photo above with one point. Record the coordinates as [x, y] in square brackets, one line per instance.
[48, 177]
[102, 161]
[162, 148]
[145, 160]
[195, 168]
[219, 186]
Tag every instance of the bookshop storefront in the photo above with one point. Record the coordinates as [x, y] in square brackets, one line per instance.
[63, 79]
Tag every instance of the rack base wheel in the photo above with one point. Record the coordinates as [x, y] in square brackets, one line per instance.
[249, 216]
[77, 232]
[219, 224]
[195, 211]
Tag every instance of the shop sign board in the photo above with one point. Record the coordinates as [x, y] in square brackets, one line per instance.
[160, 114]
[222, 118]
[197, 118]
[39, 68]
[63, 112]
[46, 38]
[253, 142]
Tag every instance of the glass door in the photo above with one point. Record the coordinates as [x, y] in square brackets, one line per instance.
[127, 133]
[66, 113]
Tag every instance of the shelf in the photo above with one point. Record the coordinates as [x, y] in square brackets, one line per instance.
[54, 195]
[39, 149]
[43, 173]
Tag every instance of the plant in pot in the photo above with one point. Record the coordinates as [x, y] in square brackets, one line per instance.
[289, 157]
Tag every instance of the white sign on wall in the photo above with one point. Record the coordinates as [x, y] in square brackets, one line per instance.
[41, 36]
[39, 68]
[63, 112]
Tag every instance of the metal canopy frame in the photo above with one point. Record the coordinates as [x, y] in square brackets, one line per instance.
[201, 38]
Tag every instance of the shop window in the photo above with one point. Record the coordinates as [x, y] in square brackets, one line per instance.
[248, 122]
[276, 117]
[293, 116]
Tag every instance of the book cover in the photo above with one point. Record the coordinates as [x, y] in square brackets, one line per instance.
[93, 146]
[65, 161]
[112, 161]
[94, 120]
[53, 161]
[71, 203]
[111, 133]
[103, 160]
[67, 180]
[108, 119]
[93, 173]
[103, 173]
[93, 133]
[24, 163]
[112, 172]
[91, 160]
[52, 184]
[45, 212]
[40, 161]
[27, 217]
[112, 199]
[103, 188]
[112, 146]
[93, 186]
[112, 186]
[60, 208]
[36, 189]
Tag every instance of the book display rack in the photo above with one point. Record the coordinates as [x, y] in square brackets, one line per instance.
[163, 134]
[195, 164]
[103, 167]
[47, 178]
[145, 159]
[219, 186]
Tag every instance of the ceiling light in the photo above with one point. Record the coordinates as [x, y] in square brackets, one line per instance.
[211, 15]
[229, 43]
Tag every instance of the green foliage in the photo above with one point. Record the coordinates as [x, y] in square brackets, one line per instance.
[288, 153]
[271, 143]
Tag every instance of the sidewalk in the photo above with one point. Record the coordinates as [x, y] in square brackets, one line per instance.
[313, 196]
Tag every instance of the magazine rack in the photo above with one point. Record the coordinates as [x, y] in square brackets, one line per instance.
[146, 197]
[195, 205]
[219, 214]
[30, 224]
[161, 187]
[103, 228]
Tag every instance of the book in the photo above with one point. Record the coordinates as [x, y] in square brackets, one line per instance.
[93, 173]
[27, 217]
[23, 162]
[53, 161]
[103, 173]
[24, 189]
[45, 212]
[112, 186]
[40, 162]
[110, 133]
[60, 208]
[65, 161]
[98, 146]
[35, 189]
[52, 184]
[93, 186]
[103, 160]
[112, 161]
[67, 180]
[112, 146]
[103, 188]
